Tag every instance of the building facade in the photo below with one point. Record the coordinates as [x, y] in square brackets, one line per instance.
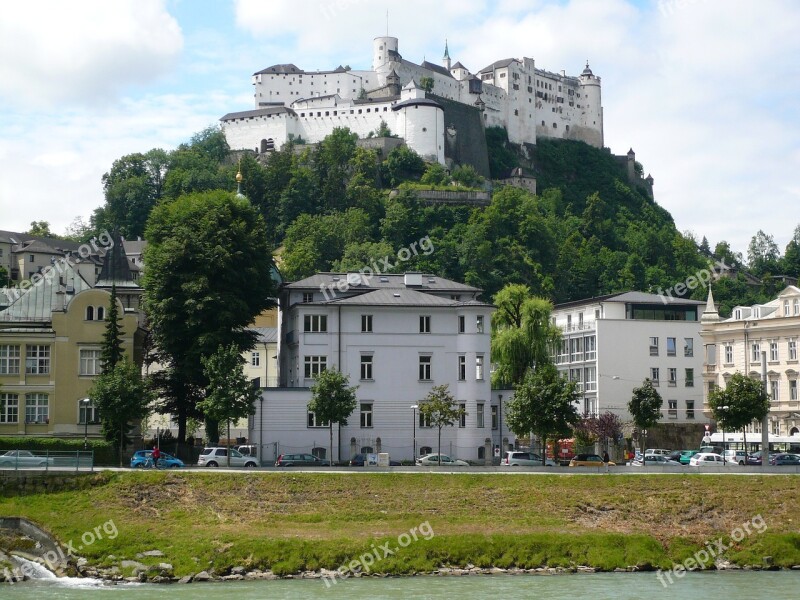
[395, 336]
[737, 344]
[611, 344]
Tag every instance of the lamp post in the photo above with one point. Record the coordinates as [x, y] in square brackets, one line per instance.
[500, 423]
[414, 408]
[725, 408]
[86, 402]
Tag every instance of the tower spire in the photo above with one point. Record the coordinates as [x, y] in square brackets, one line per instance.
[446, 57]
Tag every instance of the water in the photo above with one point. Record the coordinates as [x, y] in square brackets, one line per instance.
[728, 585]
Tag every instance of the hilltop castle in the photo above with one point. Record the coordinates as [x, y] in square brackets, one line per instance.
[511, 93]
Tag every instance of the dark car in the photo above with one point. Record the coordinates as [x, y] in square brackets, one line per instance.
[675, 455]
[301, 460]
[359, 460]
[754, 459]
[784, 459]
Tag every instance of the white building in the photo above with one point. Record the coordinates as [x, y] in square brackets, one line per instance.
[396, 336]
[611, 344]
[736, 344]
[511, 93]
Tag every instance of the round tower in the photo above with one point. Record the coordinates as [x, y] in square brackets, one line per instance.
[381, 48]
[592, 103]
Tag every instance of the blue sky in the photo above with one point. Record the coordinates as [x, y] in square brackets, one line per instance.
[705, 91]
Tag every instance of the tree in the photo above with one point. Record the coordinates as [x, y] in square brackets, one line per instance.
[4, 279]
[645, 408]
[111, 349]
[762, 254]
[229, 395]
[404, 164]
[208, 275]
[743, 401]
[439, 408]
[121, 397]
[426, 83]
[40, 229]
[522, 334]
[467, 176]
[332, 400]
[544, 404]
[607, 426]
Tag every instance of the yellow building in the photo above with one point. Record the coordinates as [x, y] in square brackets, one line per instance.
[50, 341]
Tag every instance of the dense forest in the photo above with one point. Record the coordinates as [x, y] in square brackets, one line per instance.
[588, 232]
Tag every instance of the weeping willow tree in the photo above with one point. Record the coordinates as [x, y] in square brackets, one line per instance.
[522, 334]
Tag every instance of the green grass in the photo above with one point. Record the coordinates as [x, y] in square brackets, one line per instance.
[293, 521]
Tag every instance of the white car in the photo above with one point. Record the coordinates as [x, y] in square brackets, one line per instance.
[517, 458]
[432, 460]
[23, 458]
[218, 457]
[655, 460]
[738, 456]
[710, 459]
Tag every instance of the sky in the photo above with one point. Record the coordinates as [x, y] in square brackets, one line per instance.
[705, 91]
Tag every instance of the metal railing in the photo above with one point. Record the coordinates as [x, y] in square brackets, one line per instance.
[50, 460]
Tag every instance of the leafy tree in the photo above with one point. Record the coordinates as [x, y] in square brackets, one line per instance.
[467, 176]
[403, 164]
[704, 248]
[80, 231]
[426, 83]
[544, 404]
[762, 254]
[607, 426]
[502, 158]
[435, 174]
[645, 407]
[111, 351]
[332, 400]
[439, 408]
[743, 401]
[4, 279]
[229, 396]
[332, 166]
[208, 275]
[724, 253]
[383, 130]
[122, 397]
[40, 229]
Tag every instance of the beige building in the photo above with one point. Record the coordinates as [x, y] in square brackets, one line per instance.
[736, 344]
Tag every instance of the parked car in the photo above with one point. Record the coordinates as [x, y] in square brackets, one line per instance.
[432, 460]
[525, 459]
[589, 460]
[661, 451]
[784, 459]
[686, 456]
[359, 460]
[655, 460]
[218, 457]
[675, 455]
[140, 458]
[24, 458]
[247, 450]
[710, 459]
[301, 460]
[754, 458]
[738, 456]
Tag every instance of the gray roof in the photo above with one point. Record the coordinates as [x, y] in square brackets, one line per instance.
[259, 112]
[498, 64]
[399, 297]
[266, 335]
[416, 102]
[429, 282]
[134, 246]
[458, 65]
[434, 67]
[39, 301]
[633, 297]
[292, 69]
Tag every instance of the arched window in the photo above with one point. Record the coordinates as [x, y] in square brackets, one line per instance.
[425, 450]
[319, 452]
[101, 313]
[481, 452]
[90, 313]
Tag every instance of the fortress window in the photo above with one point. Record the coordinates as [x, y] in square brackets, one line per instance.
[319, 114]
[424, 129]
[327, 113]
[516, 112]
[543, 125]
[359, 111]
[352, 111]
[555, 125]
[567, 127]
[385, 108]
[502, 75]
[368, 110]
[334, 113]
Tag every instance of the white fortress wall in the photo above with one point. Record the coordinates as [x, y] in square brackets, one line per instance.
[288, 87]
[247, 133]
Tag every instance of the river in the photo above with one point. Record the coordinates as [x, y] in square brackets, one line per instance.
[727, 585]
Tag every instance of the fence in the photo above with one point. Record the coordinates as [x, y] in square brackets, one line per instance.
[51, 460]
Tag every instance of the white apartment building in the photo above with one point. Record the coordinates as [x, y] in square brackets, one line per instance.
[396, 336]
[736, 344]
[611, 344]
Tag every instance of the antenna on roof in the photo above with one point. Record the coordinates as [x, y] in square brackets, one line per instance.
[387, 22]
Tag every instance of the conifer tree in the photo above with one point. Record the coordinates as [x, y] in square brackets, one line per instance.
[111, 351]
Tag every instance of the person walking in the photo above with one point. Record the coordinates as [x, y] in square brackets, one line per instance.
[155, 456]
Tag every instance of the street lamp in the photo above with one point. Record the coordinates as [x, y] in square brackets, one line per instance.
[414, 408]
[86, 402]
[500, 424]
[723, 433]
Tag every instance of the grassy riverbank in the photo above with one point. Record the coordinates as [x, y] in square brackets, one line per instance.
[288, 522]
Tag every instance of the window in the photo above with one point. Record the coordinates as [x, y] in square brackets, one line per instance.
[494, 417]
[786, 312]
[589, 347]
[773, 390]
[479, 324]
[101, 314]
[314, 422]
[424, 421]
[773, 350]
[9, 408]
[479, 415]
[479, 367]
[90, 362]
[31, 258]
[366, 366]
[481, 452]
[425, 450]
[690, 409]
[366, 323]
[462, 368]
[9, 359]
[689, 378]
[37, 360]
[653, 346]
[796, 305]
[87, 413]
[462, 419]
[255, 359]
[672, 411]
[314, 365]
[793, 390]
[36, 408]
[688, 346]
[756, 354]
[425, 368]
[366, 414]
[654, 375]
[671, 351]
[792, 349]
[308, 297]
[577, 376]
[424, 324]
[673, 377]
[90, 313]
[461, 323]
[728, 353]
[590, 379]
[315, 323]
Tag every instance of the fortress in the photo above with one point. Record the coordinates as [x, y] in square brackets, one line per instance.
[511, 93]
